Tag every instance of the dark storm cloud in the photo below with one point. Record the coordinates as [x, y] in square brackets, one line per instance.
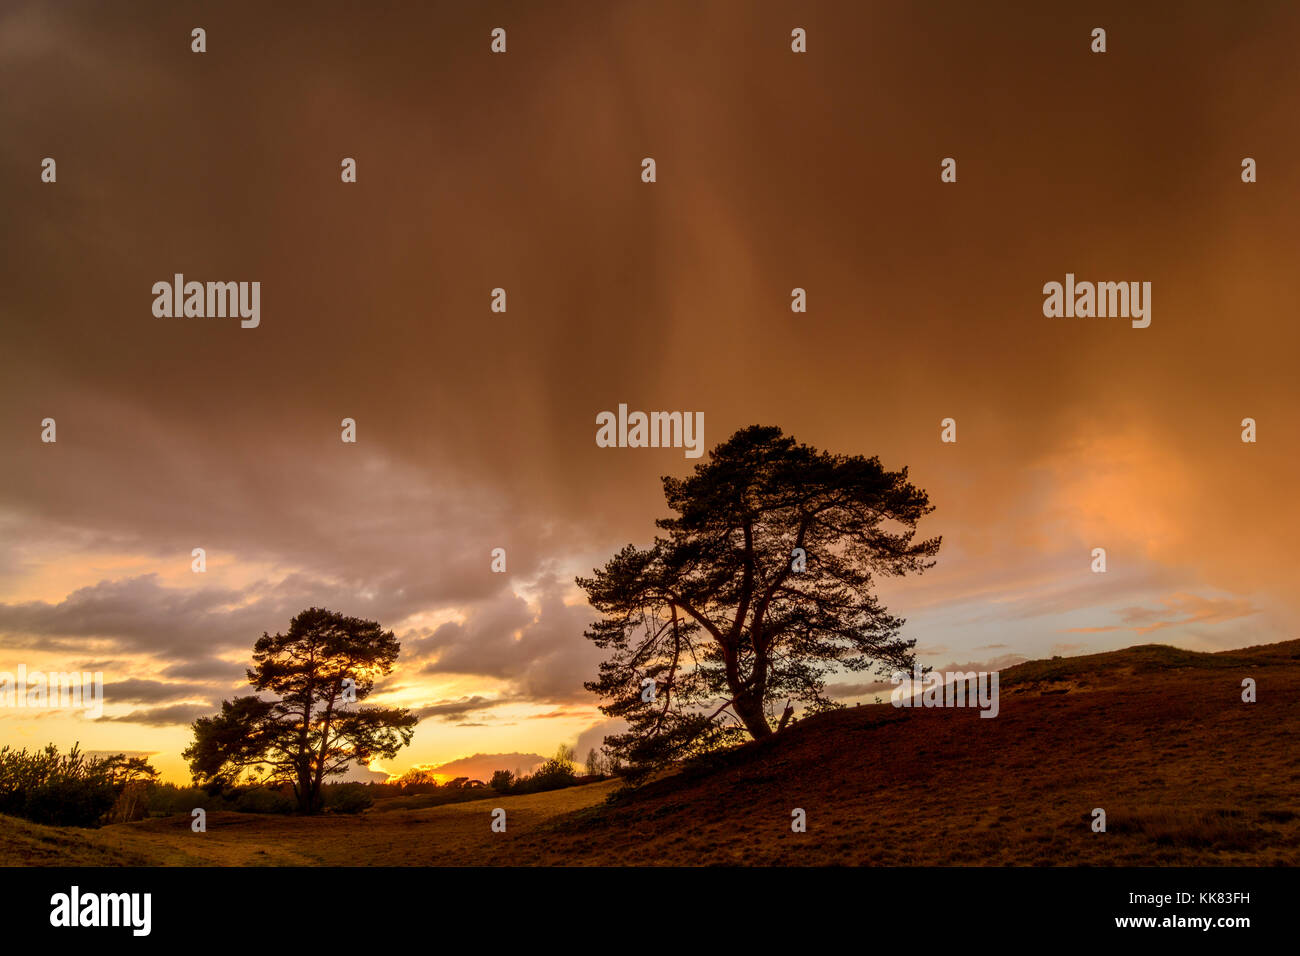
[140, 691]
[482, 766]
[543, 654]
[135, 613]
[209, 669]
[522, 171]
[476, 429]
[173, 715]
[594, 736]
[449, 709]
[142, 614]
[841, 691]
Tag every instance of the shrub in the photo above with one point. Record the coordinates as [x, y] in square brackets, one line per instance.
[68, 789]
[132, 803]
[347, 798]
[167, 798]
[418, 780]
[555, 774]
[263, 800]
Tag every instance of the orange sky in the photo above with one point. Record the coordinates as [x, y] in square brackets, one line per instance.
[476, 430]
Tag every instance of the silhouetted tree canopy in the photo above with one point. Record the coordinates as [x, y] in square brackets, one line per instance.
[723, 615]
[310, 727]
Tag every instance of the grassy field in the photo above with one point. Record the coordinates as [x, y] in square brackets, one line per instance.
[1159, 738]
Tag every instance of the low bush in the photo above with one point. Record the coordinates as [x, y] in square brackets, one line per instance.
[347, 798]
[70, 789]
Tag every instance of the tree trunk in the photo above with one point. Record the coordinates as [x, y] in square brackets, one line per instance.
[750, 710]
[304, 792]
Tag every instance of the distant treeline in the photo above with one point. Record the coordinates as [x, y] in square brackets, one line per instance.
[75, 790]
[420, 788]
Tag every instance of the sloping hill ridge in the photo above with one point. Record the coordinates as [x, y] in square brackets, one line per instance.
[1156, 736]
[1111, 666]
[1187, 773]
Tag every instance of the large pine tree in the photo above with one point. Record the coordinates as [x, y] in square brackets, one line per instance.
[761, 587]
